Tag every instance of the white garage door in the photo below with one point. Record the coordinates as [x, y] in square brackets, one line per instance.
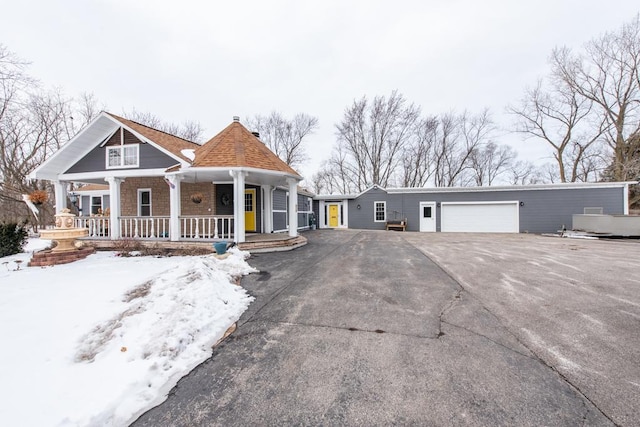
[480, 217]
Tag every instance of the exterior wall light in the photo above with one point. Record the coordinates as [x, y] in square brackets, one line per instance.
[358, 206]
[521, 203]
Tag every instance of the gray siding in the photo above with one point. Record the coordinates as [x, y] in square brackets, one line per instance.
[543, 210]
[95, 160]
[279, 203]
[86, 205]
[279, 199]
[303, 203]
[364, 217]
[279, 221]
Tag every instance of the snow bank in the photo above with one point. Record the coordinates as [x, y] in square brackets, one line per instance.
[100, 341]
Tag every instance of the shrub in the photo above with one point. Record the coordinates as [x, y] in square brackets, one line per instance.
[12, 238]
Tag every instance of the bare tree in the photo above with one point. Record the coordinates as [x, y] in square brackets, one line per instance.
[417, 158]
[285, 137]
[189, 130]
[524, 173]
[459, 135]
[373, 135]
[34, 123]
[558, 115]
[337, 175]
[608, 75]
[490, 161]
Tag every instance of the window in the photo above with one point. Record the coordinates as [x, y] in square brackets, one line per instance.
[123, 156]
[426, 211]
[96, 205]
[248, 202]
[380, 211]
[144, 202]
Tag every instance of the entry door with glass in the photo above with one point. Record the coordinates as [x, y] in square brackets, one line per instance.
[250, 209]
[428, 216]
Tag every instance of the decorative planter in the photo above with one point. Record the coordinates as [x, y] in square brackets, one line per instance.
[220, 247]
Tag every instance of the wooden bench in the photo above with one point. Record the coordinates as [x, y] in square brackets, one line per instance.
[400, 225]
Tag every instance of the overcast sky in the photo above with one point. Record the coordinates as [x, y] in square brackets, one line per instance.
[209, 60]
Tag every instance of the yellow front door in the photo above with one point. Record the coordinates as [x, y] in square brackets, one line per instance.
[250, 209]
[333, 215]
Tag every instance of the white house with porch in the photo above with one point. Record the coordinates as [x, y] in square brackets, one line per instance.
[163, 187]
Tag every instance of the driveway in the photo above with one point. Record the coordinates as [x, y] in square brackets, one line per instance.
[378, 328]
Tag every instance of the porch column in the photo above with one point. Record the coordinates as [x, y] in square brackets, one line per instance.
[114, 206]
[238, 205]
[293, 207]
[267, 215]
[60, 189]
[174, 207]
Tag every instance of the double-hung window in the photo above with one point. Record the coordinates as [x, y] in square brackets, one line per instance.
[144, 202]
[380, 211]
[123, 156]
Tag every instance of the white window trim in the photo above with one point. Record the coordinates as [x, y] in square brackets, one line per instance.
[122, 148]
[140, 190]
[91, 205]
[375, 204]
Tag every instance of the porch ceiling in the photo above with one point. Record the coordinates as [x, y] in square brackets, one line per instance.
[254, 176]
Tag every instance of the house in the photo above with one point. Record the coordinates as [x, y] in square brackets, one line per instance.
[159, 186]
[544, 208]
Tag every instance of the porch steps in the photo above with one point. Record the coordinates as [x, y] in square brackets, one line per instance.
[284, 244]
[47, 257]
[254, 243]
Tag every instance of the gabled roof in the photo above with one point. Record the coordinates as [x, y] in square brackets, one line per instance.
[235, 146]
[169, 142]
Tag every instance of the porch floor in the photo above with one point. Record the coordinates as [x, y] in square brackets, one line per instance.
[255, 242]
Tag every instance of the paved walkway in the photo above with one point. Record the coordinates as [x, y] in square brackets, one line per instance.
[362, 328]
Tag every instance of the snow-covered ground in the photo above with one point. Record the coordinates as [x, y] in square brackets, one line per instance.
[99, 341]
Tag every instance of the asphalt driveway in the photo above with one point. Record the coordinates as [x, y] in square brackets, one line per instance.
[379, 328]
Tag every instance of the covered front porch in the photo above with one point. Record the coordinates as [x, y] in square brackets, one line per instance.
[254, 242]
[188, 206]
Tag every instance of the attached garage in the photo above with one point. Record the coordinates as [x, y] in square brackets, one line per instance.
[480, 217]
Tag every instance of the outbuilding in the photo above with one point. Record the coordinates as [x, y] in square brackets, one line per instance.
[543, 208]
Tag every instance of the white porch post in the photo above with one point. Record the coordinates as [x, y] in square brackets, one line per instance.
[114, 206]
[267, 215]
[174, 207]
[238, 205]
[60, 188]
[293, 207]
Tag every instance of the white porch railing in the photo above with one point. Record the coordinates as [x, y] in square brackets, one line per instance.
[206, 227]
[98, 226]
[144, 227]
[157, 227]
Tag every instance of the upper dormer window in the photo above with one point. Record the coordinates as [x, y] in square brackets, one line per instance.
[123, 156]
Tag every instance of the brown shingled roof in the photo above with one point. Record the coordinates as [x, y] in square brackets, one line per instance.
[169, 142]
[235, 146]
